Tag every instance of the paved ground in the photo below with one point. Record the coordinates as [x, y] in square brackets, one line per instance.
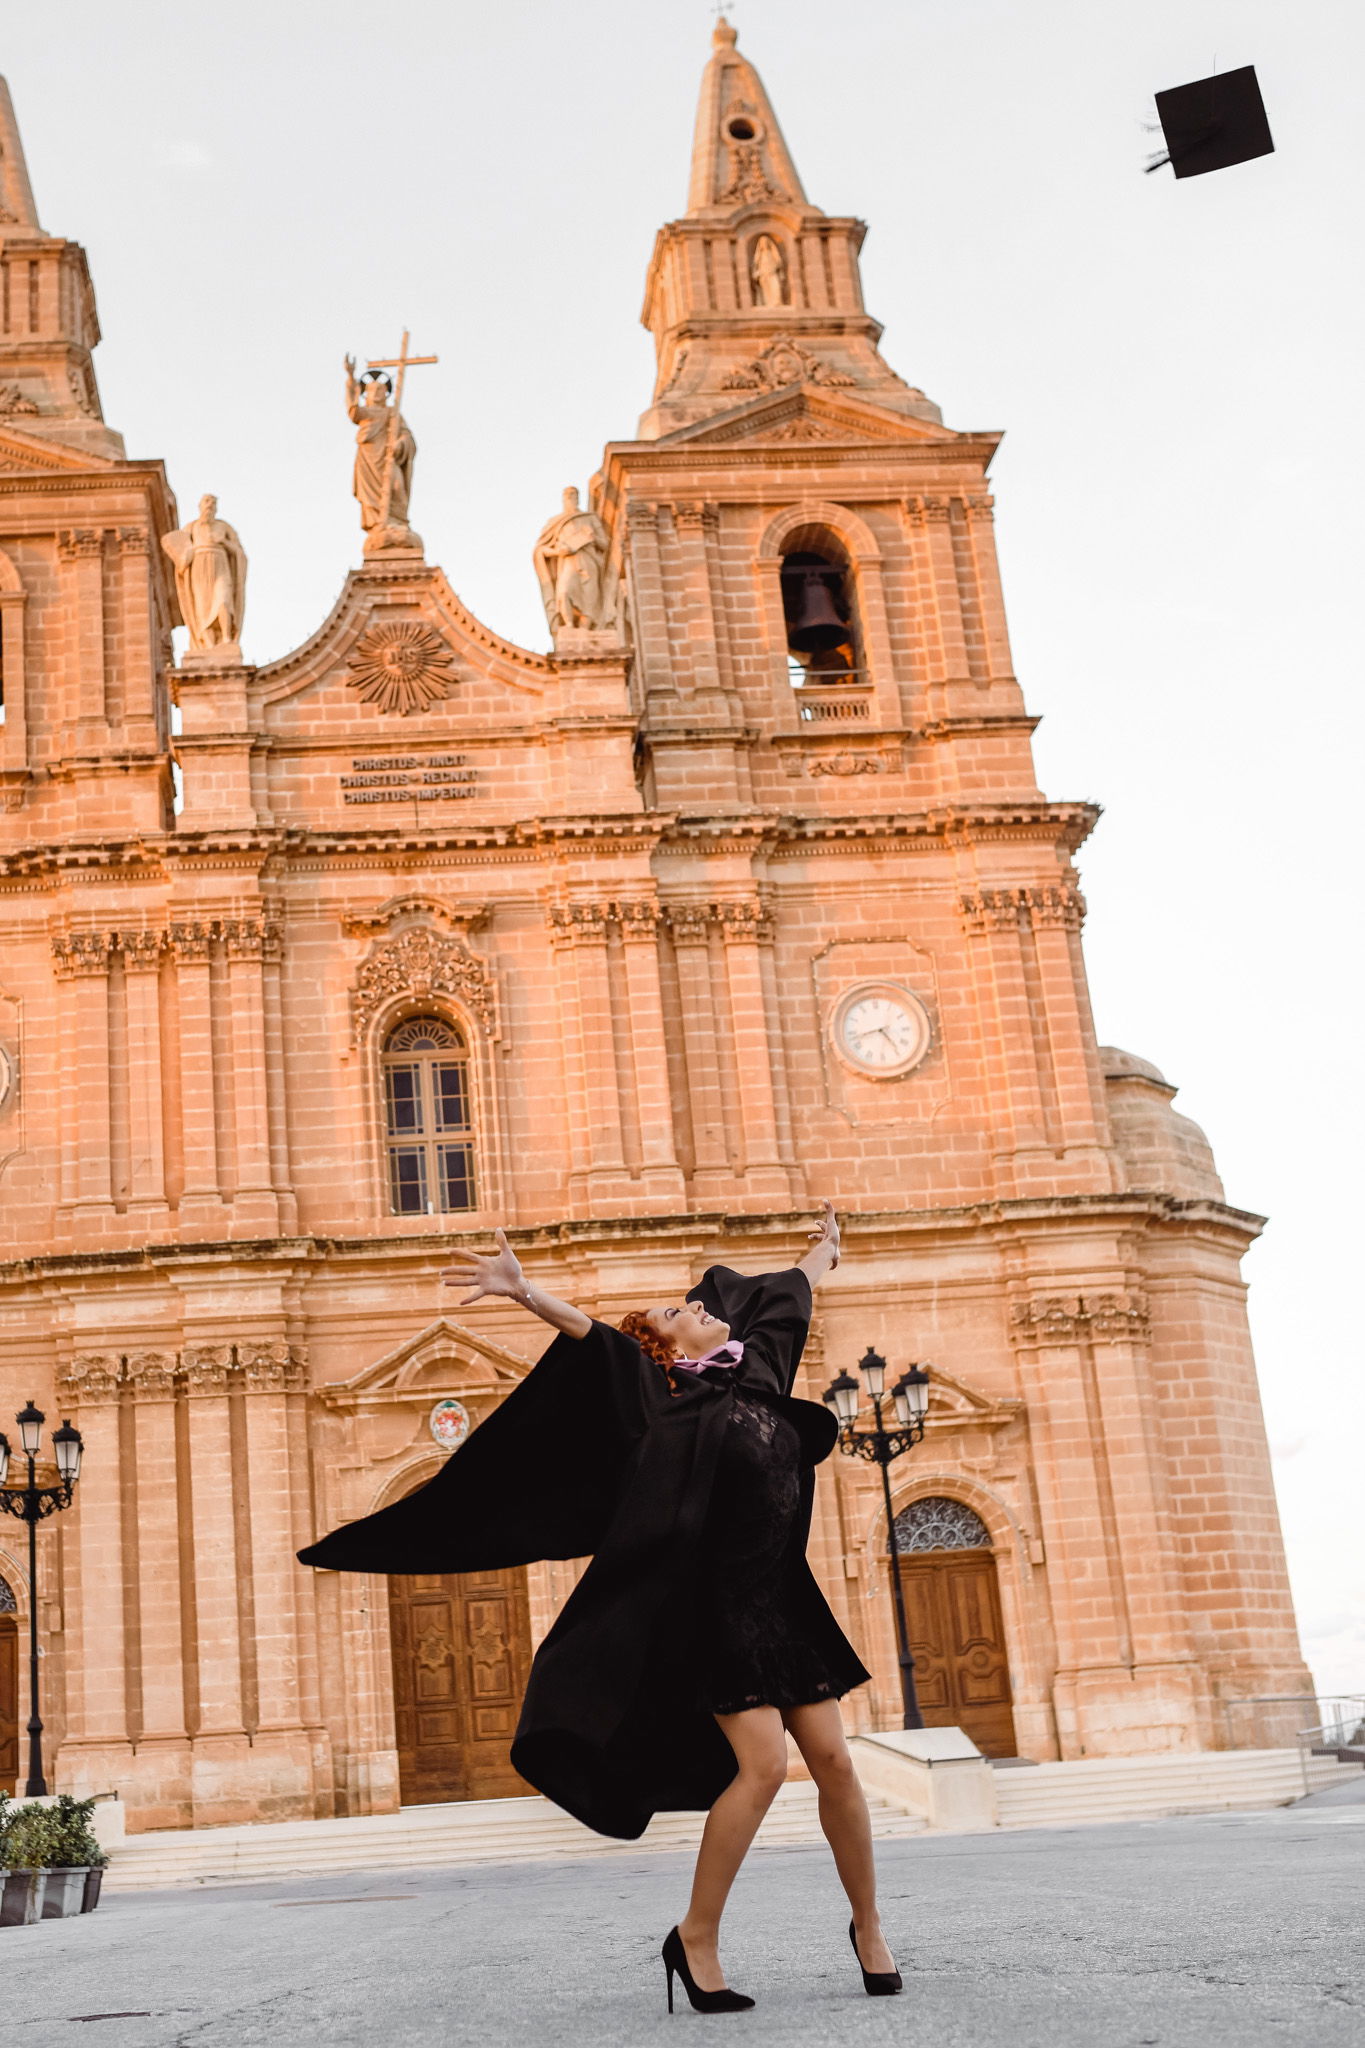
[1228, 1931]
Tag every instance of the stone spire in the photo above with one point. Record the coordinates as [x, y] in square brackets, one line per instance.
[48, 324]
[738, 150]
[754, 288]
[17, 210]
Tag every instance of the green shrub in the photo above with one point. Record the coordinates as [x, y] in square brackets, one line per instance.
[73, 1841]
[55, 1837]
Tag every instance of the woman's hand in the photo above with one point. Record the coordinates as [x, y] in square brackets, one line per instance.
[823, 1255]
[500, 1274]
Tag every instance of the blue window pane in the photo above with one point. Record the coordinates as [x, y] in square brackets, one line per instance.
[408, 1180]
[450, 1086]
[456, 1168]
[403, 1100]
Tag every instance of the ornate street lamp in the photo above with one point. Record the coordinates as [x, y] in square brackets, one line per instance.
[910, 1400]
[32, 1504]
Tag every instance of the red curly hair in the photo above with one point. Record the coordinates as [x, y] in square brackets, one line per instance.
[635, 1323]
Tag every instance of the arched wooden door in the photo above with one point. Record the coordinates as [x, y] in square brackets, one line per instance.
[9, 1698]
[952, 1611]
[461, 1654]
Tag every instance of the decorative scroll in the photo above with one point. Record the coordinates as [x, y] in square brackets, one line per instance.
[784, 362]
[423, 963]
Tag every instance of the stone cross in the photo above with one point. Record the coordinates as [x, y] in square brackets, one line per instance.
[400, 363]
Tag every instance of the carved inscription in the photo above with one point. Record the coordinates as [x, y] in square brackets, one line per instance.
[408, 778]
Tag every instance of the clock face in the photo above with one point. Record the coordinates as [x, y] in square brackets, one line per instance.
[881, 1030]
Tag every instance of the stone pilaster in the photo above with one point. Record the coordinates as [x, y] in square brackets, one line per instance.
[659, 1169]
[81, 960]
[746, 929]
[689, 924]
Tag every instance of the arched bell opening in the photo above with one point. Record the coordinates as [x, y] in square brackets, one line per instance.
[951, 1590]
[820, 611]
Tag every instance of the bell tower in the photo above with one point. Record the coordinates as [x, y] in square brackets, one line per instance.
[754, 287]
[85, 610]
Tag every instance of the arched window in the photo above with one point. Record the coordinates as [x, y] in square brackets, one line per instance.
[821, 616]
[937, 1523]
[8, 1603]
[428, 1118]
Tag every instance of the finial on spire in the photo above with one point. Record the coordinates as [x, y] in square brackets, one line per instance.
[738, 152]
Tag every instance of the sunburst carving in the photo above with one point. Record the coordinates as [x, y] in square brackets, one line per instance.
[402, 667]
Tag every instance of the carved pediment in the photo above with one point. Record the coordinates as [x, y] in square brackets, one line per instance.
[398, 641]
[802, 414]
[955, 1404]
[29, 454]
[444, 1359]
[457, 917]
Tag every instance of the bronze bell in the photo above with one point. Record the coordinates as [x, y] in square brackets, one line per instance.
[814, 622]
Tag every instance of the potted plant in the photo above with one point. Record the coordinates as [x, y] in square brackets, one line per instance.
[75, 1859]
[51, 1861]
[24, 1832]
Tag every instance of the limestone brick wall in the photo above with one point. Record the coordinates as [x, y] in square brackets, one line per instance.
[641, 873]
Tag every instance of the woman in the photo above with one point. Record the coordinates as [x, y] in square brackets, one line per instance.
[672, 1452]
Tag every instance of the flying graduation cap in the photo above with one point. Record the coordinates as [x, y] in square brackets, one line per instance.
[1212, 124]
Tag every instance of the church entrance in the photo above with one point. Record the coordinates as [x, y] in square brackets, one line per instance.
[952, 1610]
[9, 1700]
[461, 1654]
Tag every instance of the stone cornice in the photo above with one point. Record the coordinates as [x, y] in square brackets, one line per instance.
[1037, 1216]
[159, 857]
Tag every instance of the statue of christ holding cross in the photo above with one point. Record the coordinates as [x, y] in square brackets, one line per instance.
[384, 451]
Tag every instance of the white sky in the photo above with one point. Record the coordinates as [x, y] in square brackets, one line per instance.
[264, 187]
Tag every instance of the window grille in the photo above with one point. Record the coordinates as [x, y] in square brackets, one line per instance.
[937, 1523]
[428, 1118]
[8, 1603]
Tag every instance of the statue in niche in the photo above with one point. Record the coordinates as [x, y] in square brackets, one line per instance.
[384, 454]
[571, 559]
[210, 578]
[768, 273]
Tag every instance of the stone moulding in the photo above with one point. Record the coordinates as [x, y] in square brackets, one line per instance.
[270, 1366]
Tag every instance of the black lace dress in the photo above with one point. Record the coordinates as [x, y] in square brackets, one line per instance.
[767, 1635]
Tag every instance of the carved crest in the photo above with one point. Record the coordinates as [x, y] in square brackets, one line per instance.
[421, 962]
[402, 667]
[784, 362]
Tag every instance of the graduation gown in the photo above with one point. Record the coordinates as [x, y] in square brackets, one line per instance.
[593, 1455]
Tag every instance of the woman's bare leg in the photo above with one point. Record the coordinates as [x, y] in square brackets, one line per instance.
[818, 1732]
[760, 1747]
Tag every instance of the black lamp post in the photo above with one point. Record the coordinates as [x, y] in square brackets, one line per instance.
[32, 1504]
[910, 1399]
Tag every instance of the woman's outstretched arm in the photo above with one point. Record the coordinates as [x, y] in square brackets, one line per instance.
[502, 1274]
[823, 1255]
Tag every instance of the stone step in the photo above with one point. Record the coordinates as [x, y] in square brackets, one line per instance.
[470, 1831]
[1121, 1788]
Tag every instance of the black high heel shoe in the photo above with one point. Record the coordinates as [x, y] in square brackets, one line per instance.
[876, 1983]
[675, 1961]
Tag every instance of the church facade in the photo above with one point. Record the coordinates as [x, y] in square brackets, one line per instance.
[742, 894]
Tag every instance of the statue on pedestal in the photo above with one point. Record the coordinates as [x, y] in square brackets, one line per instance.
[571, 559]
[768, 273]
[210, 581]
[384, 454]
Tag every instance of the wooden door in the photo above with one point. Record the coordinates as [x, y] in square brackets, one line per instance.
[962, 1674]
[9, 1703]
[461, 1654]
